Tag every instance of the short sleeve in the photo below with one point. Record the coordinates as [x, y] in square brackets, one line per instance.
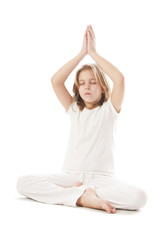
[72, 109]
[116, 114]
[68, 110]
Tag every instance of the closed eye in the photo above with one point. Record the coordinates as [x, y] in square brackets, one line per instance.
[83, 83]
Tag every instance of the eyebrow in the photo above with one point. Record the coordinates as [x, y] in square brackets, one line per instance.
[89, 79]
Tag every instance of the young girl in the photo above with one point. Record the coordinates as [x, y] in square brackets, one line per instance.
[87, 177]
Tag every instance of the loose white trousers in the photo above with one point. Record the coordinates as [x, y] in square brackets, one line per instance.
[57, 189]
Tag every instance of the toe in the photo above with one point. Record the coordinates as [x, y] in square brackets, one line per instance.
[106, 207]
[112, 208]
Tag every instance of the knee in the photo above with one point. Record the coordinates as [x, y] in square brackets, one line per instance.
[19, 185]
[138, 200]
[22, 183]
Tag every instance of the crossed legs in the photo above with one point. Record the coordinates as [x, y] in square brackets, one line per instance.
[106, 194]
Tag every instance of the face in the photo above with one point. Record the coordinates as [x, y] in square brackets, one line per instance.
[88, 84]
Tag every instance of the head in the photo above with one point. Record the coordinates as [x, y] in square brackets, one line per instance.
[90, 79]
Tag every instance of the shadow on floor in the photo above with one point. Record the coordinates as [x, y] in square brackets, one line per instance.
[118, 211]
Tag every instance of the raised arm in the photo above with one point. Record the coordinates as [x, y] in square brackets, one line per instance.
[62, 74]
[59, 78]
[115, 75]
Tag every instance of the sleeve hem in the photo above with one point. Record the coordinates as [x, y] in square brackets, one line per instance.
[113, 108]
[68, 110]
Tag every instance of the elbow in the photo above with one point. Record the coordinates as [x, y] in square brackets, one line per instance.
[121, 79]
[52, 80]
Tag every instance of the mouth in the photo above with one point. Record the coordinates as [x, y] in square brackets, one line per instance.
[87, 94]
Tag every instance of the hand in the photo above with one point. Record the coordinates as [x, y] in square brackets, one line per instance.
[84, 46]
[91, 40]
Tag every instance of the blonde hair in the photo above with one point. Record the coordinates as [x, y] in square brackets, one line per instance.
[99, 76]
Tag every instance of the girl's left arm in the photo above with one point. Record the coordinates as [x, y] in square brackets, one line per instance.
[114, 74]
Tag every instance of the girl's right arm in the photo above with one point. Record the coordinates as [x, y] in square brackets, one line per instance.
[59, 79]
[62, 74]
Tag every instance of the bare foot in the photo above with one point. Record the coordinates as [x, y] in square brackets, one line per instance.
[91, 200]
[78, 184]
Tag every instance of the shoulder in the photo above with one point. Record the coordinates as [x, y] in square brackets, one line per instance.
[111, 107]
[72, 108]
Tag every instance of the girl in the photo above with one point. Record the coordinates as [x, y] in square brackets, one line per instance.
[87, 177]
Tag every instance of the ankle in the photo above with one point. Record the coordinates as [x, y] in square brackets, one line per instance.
[79, 201]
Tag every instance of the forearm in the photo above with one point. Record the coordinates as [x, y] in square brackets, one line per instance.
[114, 74]
[62, 74]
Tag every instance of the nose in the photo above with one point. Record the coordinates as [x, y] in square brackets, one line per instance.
[87, 86]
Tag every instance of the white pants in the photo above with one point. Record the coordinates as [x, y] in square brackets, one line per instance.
[57, 189]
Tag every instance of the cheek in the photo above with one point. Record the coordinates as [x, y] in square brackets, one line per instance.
[80, 91]
[97, 90]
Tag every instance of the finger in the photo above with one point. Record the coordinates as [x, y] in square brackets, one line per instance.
[89, 33]
[85, 34]
[92, 31]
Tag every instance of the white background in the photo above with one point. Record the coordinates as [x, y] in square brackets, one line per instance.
[36, 39]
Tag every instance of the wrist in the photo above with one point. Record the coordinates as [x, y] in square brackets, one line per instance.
[93, 53]
[82, 54]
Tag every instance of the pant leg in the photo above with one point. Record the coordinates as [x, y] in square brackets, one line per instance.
[120, 194]
[51, 188]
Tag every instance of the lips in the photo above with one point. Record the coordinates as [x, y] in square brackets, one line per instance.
[87, 93]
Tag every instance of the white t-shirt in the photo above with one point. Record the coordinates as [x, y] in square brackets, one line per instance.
[91, 141]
